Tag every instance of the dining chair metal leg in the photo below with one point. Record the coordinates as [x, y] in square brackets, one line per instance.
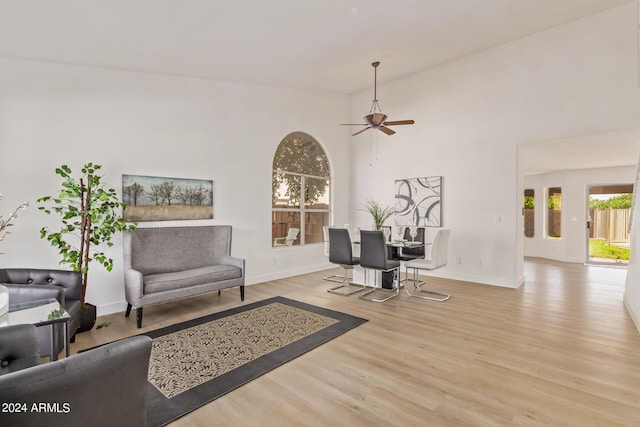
[416, 283]
[349, 289]
[346, 285]
[377, 289]
[338, 278]
[407, 280]
[391, 295]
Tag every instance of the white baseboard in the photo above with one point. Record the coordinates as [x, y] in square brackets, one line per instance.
[474, 278]
[252, 280]
[545, 255]
[120, 307]
[117, 307]
[114, 307]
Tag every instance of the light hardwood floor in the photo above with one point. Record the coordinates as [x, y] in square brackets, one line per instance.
[559, 351]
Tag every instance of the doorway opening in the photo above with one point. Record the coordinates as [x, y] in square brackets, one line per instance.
[609, 212]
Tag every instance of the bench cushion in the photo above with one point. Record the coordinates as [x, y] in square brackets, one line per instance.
[192, 277]
[168, 249]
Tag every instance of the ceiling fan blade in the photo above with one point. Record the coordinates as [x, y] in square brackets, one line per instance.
[360, 131]
[399, 122]
[387, 130]
[353, 124]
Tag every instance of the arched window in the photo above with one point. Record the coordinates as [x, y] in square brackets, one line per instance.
[300, 187]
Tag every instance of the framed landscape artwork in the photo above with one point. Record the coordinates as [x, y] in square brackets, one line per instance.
[418, 201]
[150, 198]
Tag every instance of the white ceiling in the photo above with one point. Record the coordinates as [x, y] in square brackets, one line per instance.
[603, 150]
[306, 44]
[310, 44]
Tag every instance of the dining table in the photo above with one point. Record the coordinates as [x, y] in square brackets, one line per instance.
[394, 252]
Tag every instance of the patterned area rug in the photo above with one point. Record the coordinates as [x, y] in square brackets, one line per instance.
[195, 362]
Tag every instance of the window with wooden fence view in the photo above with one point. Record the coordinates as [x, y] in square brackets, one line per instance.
[609, 228]
[300, 191]
[554, 212]
[529, 212]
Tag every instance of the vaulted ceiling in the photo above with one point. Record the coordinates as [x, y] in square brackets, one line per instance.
[309, 44]
[305, 44]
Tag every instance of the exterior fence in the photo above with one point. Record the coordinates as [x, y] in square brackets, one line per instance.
[611, 225]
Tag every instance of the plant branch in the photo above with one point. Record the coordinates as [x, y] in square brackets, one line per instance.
[89, 214]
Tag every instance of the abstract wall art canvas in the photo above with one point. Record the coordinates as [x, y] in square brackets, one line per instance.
[151, 198]
[418, 201]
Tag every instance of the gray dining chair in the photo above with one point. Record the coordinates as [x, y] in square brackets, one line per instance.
[341, 253]
[339, 278]
[438, 259]
[410, 253]
[373, 256]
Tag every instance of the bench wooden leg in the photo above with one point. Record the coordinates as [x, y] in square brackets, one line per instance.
[128, 312]
[139, 317]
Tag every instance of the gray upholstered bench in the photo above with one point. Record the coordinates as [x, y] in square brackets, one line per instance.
[167, 263]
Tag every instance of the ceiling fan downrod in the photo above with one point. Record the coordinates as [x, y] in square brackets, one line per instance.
[375, 80]
[375, 106]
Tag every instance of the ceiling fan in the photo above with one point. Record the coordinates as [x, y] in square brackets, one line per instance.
[376, 119]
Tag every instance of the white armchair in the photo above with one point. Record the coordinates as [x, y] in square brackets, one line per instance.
[291, 237]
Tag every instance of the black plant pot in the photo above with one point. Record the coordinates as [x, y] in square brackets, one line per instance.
[87, 317]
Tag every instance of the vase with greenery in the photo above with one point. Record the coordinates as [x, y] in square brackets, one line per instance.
[90, 216]
[378, 212]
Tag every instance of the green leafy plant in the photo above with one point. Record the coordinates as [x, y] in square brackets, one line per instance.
[378, 212]
[529, 202]
[554, 202]
[57, 314]
[620, 201]
[90, 216]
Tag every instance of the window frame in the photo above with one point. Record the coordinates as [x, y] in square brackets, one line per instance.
[554, 227]
[529, 214]
[302, 210]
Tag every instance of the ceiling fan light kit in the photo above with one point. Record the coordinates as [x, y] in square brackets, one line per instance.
[376, 119]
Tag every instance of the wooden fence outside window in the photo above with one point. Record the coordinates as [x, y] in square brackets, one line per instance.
[611, 225]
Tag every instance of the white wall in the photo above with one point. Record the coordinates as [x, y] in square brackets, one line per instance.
[572, 246]
[632, 285]
[136, 123]
[471, 114]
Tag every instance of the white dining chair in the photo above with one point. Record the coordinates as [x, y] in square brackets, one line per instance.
[438, 259]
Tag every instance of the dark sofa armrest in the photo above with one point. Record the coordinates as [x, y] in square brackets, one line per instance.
[27, 293]
[19, 348]
[71, 281]
[117, 371]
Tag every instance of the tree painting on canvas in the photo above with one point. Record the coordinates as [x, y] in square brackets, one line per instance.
[150, 198]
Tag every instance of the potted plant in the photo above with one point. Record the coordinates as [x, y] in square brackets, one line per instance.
[90, 216]
[378, 212]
